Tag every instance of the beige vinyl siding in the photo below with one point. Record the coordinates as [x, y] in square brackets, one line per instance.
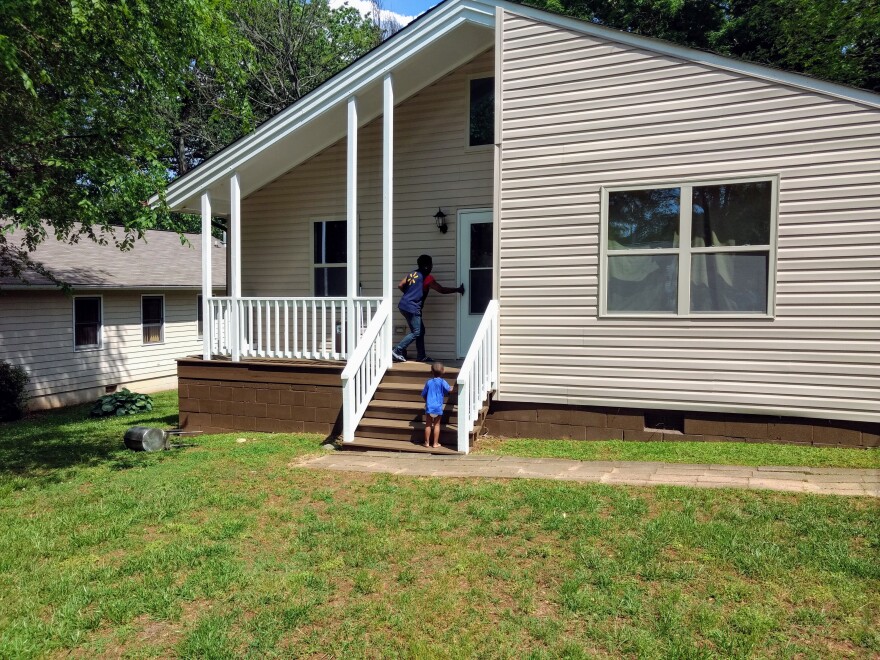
[432, 168]
[36, 332]
[580, 112]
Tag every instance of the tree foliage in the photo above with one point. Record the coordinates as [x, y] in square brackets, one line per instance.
[102, 102]
[838, 40]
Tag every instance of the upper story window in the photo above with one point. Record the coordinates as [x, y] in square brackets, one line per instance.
[87, 322]
[689, 250]
[481, 115]
[330, 257]
[153, 319]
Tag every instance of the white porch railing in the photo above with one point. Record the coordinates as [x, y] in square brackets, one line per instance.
[310, 328]
[478, 375]
[365, 369]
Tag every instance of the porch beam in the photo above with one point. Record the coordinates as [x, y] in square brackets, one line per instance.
[352, 222]
[235, 259]
[207, 280]
[388, 197]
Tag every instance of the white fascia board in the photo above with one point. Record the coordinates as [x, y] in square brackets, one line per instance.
[696, 55]
[348, 82]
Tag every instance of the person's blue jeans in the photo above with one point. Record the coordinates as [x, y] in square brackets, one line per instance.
[416, 334]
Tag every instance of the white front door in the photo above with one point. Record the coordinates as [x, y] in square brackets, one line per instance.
[475, 260]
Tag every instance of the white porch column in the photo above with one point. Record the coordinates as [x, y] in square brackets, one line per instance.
[207, 282]
[388, 199]
[352, 223]
[235, 258]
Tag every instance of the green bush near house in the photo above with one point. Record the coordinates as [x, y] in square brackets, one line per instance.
[13, 391]
[124, 402]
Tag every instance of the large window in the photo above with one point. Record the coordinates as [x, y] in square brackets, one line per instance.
[481, 112]
[689, 250]
[330, 255]
[153, 319]
[87, 321]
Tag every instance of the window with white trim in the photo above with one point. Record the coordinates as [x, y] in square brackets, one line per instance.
[690, 249]
[153, 319]
[87, 322]
[330, 257]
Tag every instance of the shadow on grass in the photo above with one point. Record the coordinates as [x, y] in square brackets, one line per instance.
[43, 446]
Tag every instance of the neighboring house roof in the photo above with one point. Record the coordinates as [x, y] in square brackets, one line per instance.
[436, 43]
[158, 261]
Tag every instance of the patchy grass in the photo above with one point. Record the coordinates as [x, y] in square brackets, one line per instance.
[719, 453]
[229, 549]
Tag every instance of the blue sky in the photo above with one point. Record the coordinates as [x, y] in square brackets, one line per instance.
[402, 10]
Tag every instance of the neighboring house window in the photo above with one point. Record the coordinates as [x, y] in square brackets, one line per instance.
[330, 253]
[200, 319]
[690, 249]
[153, 319]
[481, 115]
[87, 317]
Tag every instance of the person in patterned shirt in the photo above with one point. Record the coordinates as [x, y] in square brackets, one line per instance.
[415, 287]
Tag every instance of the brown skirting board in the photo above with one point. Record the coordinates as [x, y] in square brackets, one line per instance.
[273, 396]
[547, 421]
[289, 396]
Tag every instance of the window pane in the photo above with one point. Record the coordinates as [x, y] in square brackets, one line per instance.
[86, 322]
[732, 214]
[152, 315]
[480, 290]
[481, 245]
[645, 283]
[643, 218]
[331, 281]
[199, 316]
[482, 112]
[152, 309]
[729, 282]
[318, 233]
[336, 242]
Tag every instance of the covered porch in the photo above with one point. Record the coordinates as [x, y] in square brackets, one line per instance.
[289, 302]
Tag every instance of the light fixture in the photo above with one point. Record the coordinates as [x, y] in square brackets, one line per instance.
[440, 219]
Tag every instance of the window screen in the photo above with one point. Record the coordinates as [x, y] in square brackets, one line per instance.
[153, 319]
[481, 123]
[87, 322]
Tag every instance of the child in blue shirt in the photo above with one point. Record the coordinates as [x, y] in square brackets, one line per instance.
[433, 393]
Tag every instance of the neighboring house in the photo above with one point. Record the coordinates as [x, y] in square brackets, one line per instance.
[657, 242]
[130, 315]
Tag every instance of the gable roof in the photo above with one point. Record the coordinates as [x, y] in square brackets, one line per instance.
[159, 261]
[437, 42]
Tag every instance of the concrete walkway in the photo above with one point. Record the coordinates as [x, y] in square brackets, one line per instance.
[827, 481]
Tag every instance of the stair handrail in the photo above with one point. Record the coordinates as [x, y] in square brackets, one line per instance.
[478, 375]
[365, 368]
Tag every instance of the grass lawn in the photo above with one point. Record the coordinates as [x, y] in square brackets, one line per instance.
[719, 453]
[228, 549]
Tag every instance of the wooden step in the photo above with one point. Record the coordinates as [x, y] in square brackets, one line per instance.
[396, 429]
[406, 410]
[397, 445]
[420, 370]
[405, 392]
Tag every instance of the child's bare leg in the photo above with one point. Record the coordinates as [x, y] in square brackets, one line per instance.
[437, 431]
[427, 430]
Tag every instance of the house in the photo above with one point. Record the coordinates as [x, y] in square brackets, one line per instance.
[657, 242]
[129, 316]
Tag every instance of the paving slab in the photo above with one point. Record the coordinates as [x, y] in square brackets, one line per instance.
[831, 481]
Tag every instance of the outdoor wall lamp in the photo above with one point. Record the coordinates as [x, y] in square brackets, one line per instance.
[440, 219]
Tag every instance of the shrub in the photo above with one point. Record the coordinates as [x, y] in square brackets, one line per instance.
[13, 391]
[123, 402]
